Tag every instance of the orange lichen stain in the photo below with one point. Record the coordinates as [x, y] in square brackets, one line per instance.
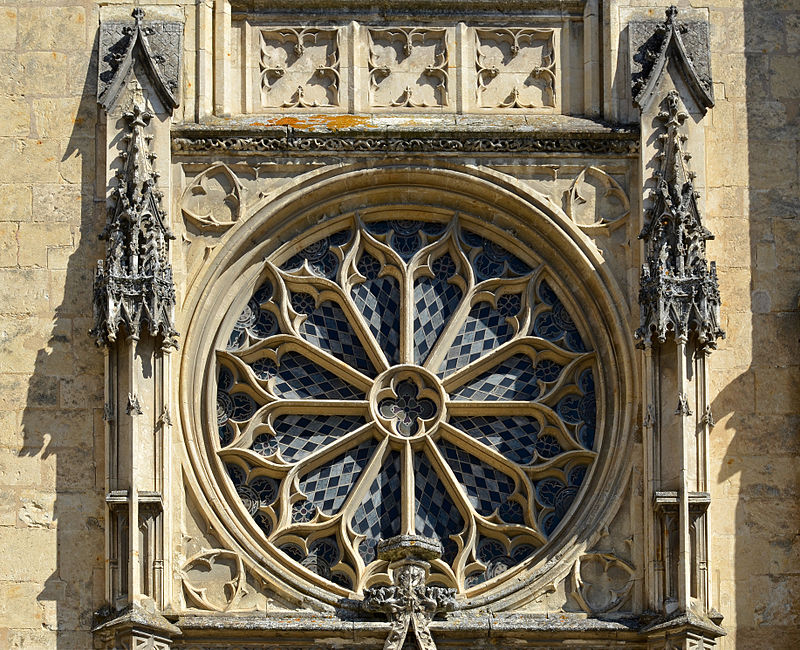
[332, 122]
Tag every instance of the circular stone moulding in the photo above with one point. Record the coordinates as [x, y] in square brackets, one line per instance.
[423, 376]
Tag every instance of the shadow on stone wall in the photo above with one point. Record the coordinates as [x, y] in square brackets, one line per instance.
[62, 421]
[763, 403]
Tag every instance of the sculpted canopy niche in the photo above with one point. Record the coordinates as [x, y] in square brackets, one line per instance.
[433, 367]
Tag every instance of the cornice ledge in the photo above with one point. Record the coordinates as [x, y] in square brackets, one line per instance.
[404, 6]
[136, 616]
[371, 134]
[684, 622]
[472, 622]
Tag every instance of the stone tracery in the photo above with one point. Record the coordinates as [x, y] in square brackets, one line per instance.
[406, 357]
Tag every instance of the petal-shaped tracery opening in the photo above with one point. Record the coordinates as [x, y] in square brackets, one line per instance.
[296, 377]
[435, 300]
[378, 300]
[487, 487]
[436, 514]
[297, 436]
[485, 328]
[326, 326]
[328, 485]
[377, 517]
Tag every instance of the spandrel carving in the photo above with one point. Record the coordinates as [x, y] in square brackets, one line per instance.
[214, 199]
[601, 582]
[299, 68]
[408, 68]
[595, 199]
[516, 68]
[218, 580]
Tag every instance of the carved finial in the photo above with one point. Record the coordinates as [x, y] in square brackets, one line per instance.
[671, 13]
[409, 603]
[133, 407]
[165, 419]
[679, 291]
[683, 405]
[138, 15]
[134, 287]
[708, 417]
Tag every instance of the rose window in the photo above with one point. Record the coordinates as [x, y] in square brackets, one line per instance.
[397, 377]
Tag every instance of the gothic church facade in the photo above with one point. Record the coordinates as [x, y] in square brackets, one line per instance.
[399, 324]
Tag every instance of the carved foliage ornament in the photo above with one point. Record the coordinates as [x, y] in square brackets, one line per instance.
[155, 45]
[134, 287]
[515, 68]
[679, 291]
[409, 603]
[299, 67]
[408, 67]
[620, 143]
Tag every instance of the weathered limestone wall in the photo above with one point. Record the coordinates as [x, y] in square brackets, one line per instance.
[753, 209]
[51, 477]
[51, 429]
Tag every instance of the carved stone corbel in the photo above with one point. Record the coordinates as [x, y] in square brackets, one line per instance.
[135, 628]
[409, 603]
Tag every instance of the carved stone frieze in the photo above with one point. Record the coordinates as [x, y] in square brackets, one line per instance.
[299, 67]
[601, 582]
[408, 68]
[679, 290]
[515, 68]
[685, 44]
[409, 603]
[155, 45]
[133, 287]
[618, 144]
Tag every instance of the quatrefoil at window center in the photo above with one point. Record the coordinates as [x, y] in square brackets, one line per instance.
[407, 401]
[408, 408]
